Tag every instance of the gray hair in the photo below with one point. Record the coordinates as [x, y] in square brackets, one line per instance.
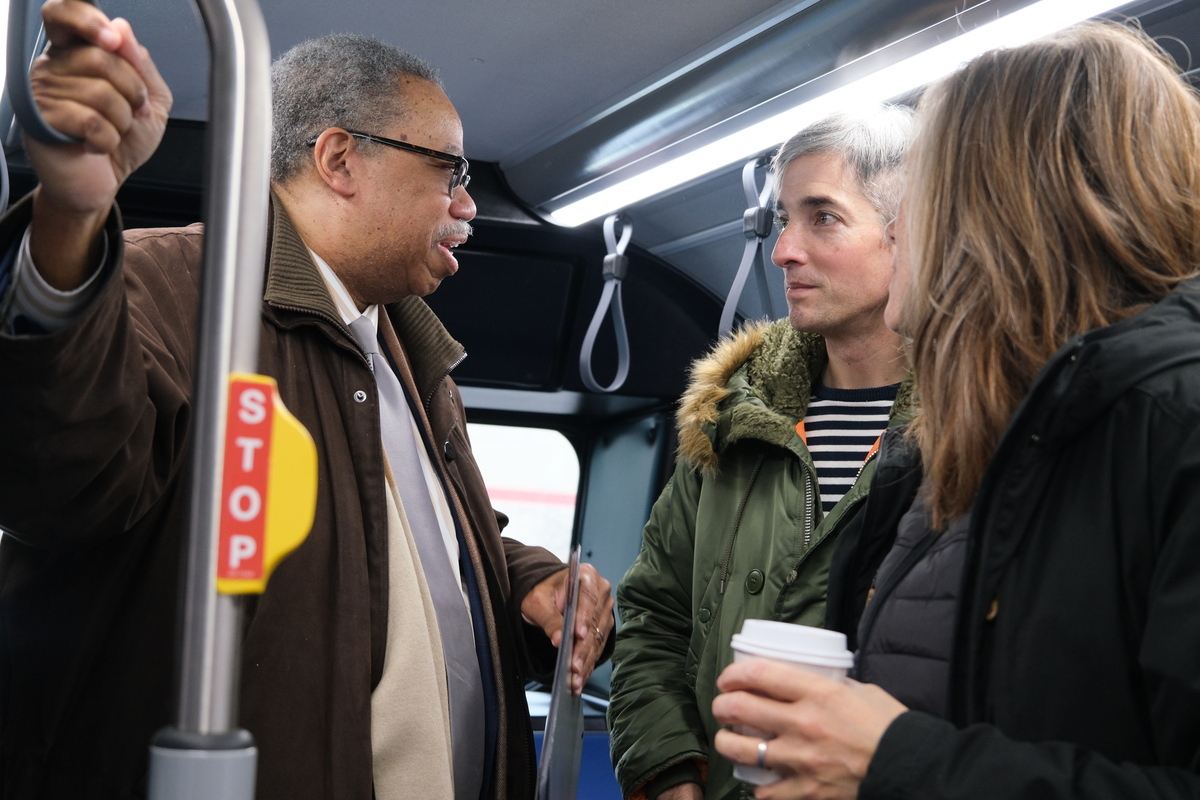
[342, 80]
[872, 144]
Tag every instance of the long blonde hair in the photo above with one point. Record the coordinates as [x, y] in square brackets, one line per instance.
[1053, 188]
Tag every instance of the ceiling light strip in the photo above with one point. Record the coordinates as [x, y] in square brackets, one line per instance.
[1017, 28]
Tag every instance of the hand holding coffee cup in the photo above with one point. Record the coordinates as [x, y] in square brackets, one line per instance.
[820, 728]
[814, 650]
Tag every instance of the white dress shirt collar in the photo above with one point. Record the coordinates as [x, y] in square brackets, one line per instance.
[341, 298]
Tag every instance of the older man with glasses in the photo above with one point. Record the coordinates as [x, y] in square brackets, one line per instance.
[389, 652]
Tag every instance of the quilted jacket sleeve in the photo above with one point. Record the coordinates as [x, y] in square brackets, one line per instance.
[655, 723]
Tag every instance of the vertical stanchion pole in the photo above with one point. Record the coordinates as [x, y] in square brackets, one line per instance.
[205, 756]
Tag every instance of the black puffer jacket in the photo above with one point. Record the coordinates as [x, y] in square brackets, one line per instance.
[906, 633]
[1076, 658]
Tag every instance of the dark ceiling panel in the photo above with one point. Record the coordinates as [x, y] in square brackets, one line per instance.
[516, 70]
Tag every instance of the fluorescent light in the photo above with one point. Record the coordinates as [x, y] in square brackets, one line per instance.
[1020, 27]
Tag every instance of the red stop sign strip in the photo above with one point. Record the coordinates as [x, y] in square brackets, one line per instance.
[244, 484]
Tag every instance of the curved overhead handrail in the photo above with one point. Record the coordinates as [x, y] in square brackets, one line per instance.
[16, 80]
[756, 225]
[5, 189]
[17, 61]
[616, 267]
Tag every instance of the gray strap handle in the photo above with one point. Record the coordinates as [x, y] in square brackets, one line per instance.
[756, 226]
[616, 266]
[16, 80]
[18, 95]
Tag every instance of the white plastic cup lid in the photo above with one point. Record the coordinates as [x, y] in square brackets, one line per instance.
[785, 641]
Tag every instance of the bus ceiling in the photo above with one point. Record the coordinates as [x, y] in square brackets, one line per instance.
[559, 96]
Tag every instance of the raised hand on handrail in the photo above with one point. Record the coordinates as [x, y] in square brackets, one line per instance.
[96, 83]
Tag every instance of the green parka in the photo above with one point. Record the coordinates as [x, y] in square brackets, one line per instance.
[737, 534]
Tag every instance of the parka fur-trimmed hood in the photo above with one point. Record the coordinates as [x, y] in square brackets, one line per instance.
[755, 384]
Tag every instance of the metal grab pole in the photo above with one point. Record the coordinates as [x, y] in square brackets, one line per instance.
[205, 755]
[239, 146]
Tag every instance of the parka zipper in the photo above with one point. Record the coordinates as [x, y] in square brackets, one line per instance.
[874, 451]
[427, 401]
[737, 523]
[869, 459]
[809, 510]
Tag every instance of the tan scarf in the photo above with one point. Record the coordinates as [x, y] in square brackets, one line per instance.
[410, 708]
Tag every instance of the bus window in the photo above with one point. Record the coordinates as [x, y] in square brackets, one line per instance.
[532, 475]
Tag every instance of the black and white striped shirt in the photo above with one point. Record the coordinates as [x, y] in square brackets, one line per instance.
[840, 429]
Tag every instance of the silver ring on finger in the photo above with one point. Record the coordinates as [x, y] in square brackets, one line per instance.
[762, 754]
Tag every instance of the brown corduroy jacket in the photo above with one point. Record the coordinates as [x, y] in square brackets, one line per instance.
[95, 435]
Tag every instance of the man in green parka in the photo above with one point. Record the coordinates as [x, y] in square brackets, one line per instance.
[778, 433]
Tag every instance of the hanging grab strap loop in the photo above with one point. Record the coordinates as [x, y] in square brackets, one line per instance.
[17, 100]
[616, 267]
[756, 226]
[20, 94]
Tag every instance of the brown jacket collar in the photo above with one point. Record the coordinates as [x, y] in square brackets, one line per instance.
[294, 282]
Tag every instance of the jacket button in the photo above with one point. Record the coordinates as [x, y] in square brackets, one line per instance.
[360, 396]
[448, 451]
[754, 581]
[993, 610]
[705, 615]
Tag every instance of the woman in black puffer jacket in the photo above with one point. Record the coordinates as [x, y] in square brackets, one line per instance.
[1047, 495]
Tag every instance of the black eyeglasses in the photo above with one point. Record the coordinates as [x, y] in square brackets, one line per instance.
[458, 177]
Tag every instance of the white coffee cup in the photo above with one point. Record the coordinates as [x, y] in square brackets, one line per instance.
[811, 649]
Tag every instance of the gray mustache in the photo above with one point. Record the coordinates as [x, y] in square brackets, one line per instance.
[455, 229]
